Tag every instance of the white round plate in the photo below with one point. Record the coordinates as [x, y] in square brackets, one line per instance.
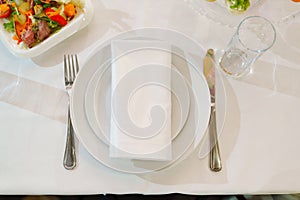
[99, 63]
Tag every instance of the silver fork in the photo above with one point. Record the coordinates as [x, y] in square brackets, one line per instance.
[71, 69]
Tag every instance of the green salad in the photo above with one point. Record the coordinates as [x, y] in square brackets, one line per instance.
[32, 21]
[238, 6]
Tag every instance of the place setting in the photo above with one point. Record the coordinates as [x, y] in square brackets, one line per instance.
[196, 116]
[137, 58]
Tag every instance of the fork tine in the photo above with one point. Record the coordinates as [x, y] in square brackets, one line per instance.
[76, 64]
[71, 71]
[71, 68]
[66, 69]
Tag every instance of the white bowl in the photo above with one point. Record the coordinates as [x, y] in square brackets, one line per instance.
[81, 20]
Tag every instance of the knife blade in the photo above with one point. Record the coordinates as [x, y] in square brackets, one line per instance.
[209, 73]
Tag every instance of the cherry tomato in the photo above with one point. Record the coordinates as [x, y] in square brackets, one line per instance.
[4, 10]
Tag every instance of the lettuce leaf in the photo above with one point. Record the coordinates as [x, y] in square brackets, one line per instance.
[9, 26]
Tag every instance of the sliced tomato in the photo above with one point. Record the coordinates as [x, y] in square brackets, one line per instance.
[4, 10]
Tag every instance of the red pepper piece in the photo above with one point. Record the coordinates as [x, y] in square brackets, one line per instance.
[47, 10]
[53, 15]
[59, 19]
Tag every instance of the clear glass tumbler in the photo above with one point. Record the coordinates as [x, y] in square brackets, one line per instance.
[254, 36]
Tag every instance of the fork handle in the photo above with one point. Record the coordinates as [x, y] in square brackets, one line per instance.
[215, 157]
[69, 156]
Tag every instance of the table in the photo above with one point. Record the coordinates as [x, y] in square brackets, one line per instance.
[260, 141]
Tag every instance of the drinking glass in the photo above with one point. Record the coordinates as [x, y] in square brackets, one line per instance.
[254, 36]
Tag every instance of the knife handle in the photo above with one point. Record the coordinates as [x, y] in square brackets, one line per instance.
[215, 158]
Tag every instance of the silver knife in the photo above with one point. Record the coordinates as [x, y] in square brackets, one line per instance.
[209, 73]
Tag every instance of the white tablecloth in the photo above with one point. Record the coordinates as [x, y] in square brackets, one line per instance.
[260, 142]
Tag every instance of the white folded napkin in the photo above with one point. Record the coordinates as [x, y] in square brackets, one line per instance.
[141, 100]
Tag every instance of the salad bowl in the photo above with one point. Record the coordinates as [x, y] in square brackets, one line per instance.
[17, 45]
